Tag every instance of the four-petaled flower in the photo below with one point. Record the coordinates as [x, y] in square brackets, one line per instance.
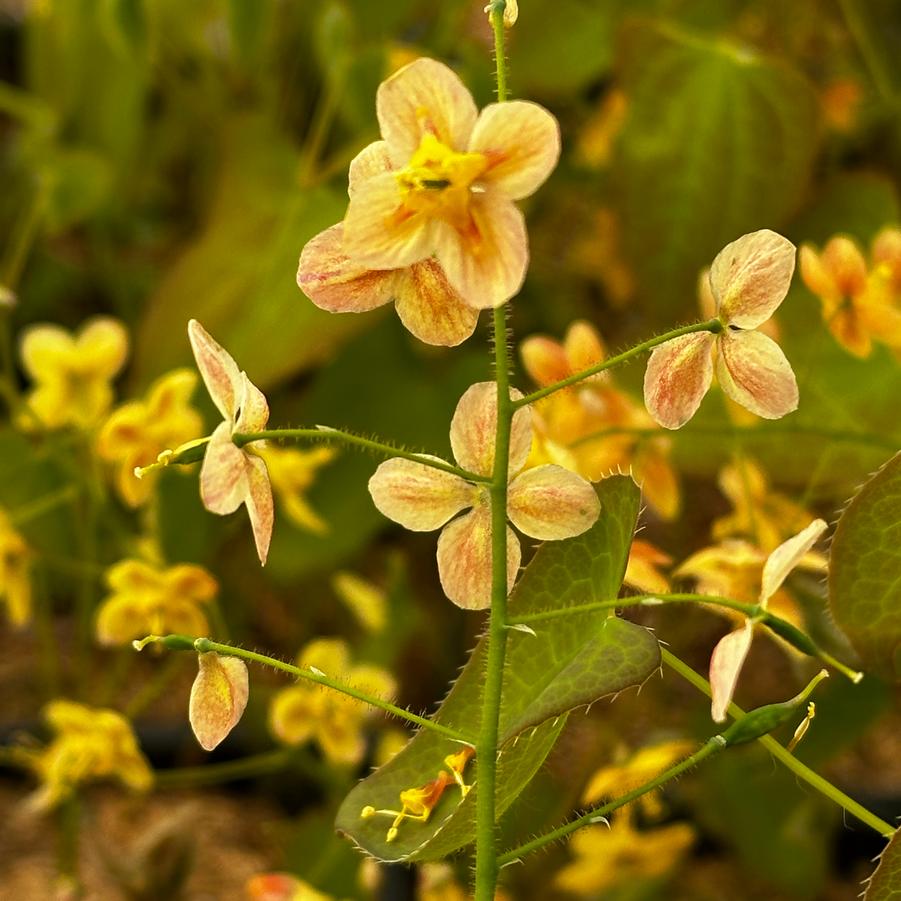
[546, 502]
[232, 475]
[749, 279]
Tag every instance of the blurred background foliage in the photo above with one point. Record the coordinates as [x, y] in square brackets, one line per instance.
[163, 160]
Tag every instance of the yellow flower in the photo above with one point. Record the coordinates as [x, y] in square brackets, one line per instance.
[72, 374]
[335, 721]
[15, 573]
[150, 600]
[139, 431]
[282, 887]
[886, 256]
[643, 569]
[438, 882]
[367, 602]
[90, 743]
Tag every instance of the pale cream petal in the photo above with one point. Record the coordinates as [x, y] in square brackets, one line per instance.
[549, 502]
[259, 503]
[485, 260]
[464, 559]
[754, 372]
[786, 557]
[253, 408]
[522, 143]
[725, 666]
[42, 349]
[418, 497]
[424, 97]
[219, 371]
[474, 425]
[218, 698]
[544, 359]
[334, 283]
[429, 307]
[222, 475]
[677, 378]
[751, 276]
[372, 160]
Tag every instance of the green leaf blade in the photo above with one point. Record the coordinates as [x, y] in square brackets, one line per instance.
[885, 883]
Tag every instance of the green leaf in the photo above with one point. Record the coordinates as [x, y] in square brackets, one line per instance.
[865, 571]
[885, 883]
[570, 662]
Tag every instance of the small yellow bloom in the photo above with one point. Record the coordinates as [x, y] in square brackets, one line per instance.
[282, 887]
[305, 712]
[292, 472]
[151, 600]
[601, 130]
[15, 573]
[72, 374]
[438, 882]
[367, 602]
[139, 431]
[643, 569]
[90, 743]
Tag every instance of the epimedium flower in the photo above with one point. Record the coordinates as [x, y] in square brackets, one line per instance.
[15, 573]
[749, 278]
[454, 176]
[218, 697]
[231, 475]
[546, 502]
[643, 568]
[147, 599]
[282, 887]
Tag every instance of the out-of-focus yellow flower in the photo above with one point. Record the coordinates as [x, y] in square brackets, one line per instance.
[282, 887]
[139, 431]
[840, 101]
[90, 743]
[438, 882]
[335, 721]
[886, 256]
[598, 136]
[15, 573]
[150, 600]
[366, 601]
[292, 472]
[643, 569]
[72, 374]
[390, 743]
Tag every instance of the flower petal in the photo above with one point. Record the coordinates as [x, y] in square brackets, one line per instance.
[253, 408]
[330, 655]
[725, 666]
[522, 143]
[751, 276]
[189, 581]
[583, 345]
[473, 428]
[815, 275]
[218, 698]
[753, 371]
[222, 482]
[464, 559]
[259, 503]
[42, 349]
[424, 97]
[419, 498]
[677, 378]
[549, 502]
[372, 160]
[786, 557]
[843, 259]
[429, 307]
[294, 715]
[103, 342]
[219, 371]
[544, 359]
[334, 283]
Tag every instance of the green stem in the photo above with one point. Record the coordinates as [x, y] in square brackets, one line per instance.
[708, 749]
[69, 814]
[325, 433]
[815, 780]
[229, 771]
[861, 33]
[711, 325]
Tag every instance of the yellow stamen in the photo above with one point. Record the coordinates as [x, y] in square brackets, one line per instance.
[803, 726]
[457, 763]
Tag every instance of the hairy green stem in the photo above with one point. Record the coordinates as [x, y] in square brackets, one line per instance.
[711, 325]
[813, 779]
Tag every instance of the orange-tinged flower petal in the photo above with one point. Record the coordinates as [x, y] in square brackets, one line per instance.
[814, 273]
[219, 371]
[486, 260]
[843, 259]
[218, 698]
[334, 283]
[725, 666]
[642, 569]
[677, 378]
[429, 307]
[847, 328]
[472, 432]
[464, 559]
[786, 557]
[418, 497]
[886, 253]
[544, 359]
[253, 409]
[880, 318]
[583, 346]
[751, 276]
[549, 502]
[657, 478]
[754, 372]
[424, 97]
[522, 143]
[372, 160]
[260, 505]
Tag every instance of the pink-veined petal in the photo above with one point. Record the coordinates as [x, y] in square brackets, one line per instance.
[334, 283]
[725, 666]
[754, 372]
[485, 260]
[222, 485]
[259, 503]
[219, 371]
[751, 276]
[253, 408]
[424, 97]
[677, 378]
[464, 559]
[544, 359]
[786, 557]
[418, 497]
[218, 698]
[372, 160]
[473, 428]
[549, 502]
[429, 307]
[522, 143]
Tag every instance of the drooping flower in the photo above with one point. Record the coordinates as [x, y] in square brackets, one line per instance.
[218, 697]
[137, 432]
[749, 279]
[232, 475]
[152, 600]
[15, 573]
[545, 502]
[72, 375]
[455, 175]
[305, 712]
